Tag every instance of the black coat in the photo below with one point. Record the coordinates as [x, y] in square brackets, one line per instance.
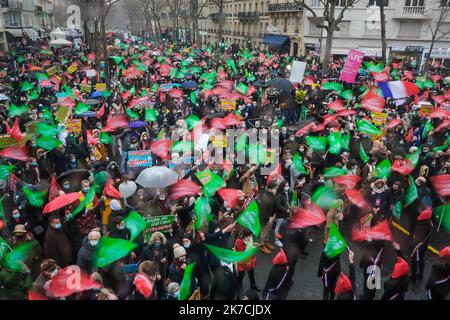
[225, 284]
[282, 205]
[438, 284]
[277, 285]
[395, 289]
[85, 256]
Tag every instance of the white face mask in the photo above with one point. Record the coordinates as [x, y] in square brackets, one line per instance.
[93, 242]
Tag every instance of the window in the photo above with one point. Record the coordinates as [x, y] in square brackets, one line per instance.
[414, 3]
[342, 3]
[409, 29]
[313, 29]
[445, 3]
[315, 3]
[377, 2]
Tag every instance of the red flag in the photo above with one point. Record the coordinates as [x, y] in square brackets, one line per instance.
[393, 123]
[381, 76]
[425, 214]
[409, 75]
[349, 182]
[233, 119]
[91, 56]
[441, 184]
[67, 102]
[15, 152]
[230, 196]
[71, 280]
[15, 130]
[115, 122]
[54, 189]
[438, 99]
[161, 148]
[404, 167]
[310, 216]
[304, 130]
[410, 135]
[380, 232]
[111, 191]
[91, 140]
[184, 188]
[217, 123]
[336, 105]
[101, 112]
[345, 113]
[443, 125]
[33, 295]
[275, 172]
[356, 198]
[143, 285]
[435, 77]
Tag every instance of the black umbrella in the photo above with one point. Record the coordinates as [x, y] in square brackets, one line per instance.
[259, 83]
[281, 84]
[74, 177]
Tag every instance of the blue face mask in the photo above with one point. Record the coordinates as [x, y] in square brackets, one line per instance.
[16, 216]
[58, 226]
[157, 244]
[121, 227]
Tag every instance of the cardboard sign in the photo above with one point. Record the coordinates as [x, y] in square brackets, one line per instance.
[100, 87]
[63, 114]
[228, 104]
[100, 152]
[426, 109]
[297, 71]
[90, 73]
[72, 69]
[351, 67]
[196, 295]
[139, 159]
[379, 118]
[86, 88]
[219, 141]
[73, 125]
[165, 87]
[51, 71]
[6, 140]
[159, 223]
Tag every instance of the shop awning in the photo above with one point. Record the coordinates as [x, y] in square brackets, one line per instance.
[276, 41]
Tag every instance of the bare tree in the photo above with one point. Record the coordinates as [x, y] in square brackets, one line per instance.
[175, 11]
[195, 12]
[330, 10]
[220, 17]
[382, 4]
[438, 28]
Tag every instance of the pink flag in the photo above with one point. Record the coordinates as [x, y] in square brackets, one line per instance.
[351, 67]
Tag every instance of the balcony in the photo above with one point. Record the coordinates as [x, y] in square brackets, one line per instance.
[217, 16]
[11, 5]
[416, 13]
[284, 7]
[248, 16]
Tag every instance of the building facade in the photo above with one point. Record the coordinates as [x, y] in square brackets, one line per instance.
[282, 25]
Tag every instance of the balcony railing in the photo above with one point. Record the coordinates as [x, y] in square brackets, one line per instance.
[252, 15]
[414, 11]
[216, 16]
[284, 7]
[11, 4]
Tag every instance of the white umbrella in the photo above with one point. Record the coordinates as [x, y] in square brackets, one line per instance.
[157, 177]
[127, 189]
[61, 42]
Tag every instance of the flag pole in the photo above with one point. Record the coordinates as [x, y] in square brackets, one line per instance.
[440, 220]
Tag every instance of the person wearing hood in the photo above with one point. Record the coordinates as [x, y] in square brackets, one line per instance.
[147, 282]
[345, 286]
[420, 240]
[156, 251]
[86, 253]
[48, 270]
[397, 285]
[438, 284]
[377, 195]
[277, 284]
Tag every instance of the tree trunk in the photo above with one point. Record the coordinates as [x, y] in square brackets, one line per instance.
[327, 53]
[221, 21]
[105, 45]
[383, 32]
[427, 63]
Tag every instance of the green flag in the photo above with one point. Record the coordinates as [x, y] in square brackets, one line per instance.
[202, 211]
[333, 86]
[35, 198]
[46, 130]
[294, 200]
[413, 157]
[346, 141]
[347, 94]
[110, 250]
[211, 182]
[333, 172]
[383, 169]
[335, 142]
[250, 218]
[150, 115]
[105, 138]
[182, 146]
[3, 248]
[442, 216]
[135, 223]
[317, 144]
[15, 111]
[230, 256]
[193, 97]
[324, 197]
[5, 170]
[428, 127]
[411, 194]
[15, 258]
[232, 65]
[131, 114]
[192, 121]
[48, 143]
[185, 286]
[298, 164]
[397, 210]
[85, 202]
[26, 86]
[241, 142]
[336, 243]
[362, 154]
[81, 108]
[367, 127]
[242, 88]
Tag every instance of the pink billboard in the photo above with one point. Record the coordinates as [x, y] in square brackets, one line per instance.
[351, 67]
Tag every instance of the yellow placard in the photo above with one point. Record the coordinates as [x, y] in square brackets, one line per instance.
[196, 295]
[100, 87]
[426, 109]
[86, 88]
[219, 141]
[73, 125]
[229, 105]
[63, 114]
[379, 118]
[51, 71]
[72, 68]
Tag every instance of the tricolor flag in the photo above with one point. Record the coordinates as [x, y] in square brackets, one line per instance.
[398, 89]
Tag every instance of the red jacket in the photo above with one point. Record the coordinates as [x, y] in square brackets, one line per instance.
[249, 264]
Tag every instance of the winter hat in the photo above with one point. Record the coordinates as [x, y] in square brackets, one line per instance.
[157, 235]
[425, 214]
[343, 284]
[401, 268]
[280, 258]
[178, 251]
[114, 205]
[149, 267]
[445, 253]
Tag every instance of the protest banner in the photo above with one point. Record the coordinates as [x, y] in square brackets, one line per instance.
[139, 159]
[351, 67]
[158, 223]
[86, 88]
[379, 118]
[52, 70]
[72, 68]
[73, 125]
[100, 87]
[228, 104]
[297, 71]
[63, 114]
[90, 73]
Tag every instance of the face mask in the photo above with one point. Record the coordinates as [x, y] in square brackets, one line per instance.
[162, 198]
[16, 216]
[186, 245]
[93, 159]
[121, 227]
[58, 226]
[301, 149]
[86, 190]
[54, 273]
[73, 161]
[33, 144]
[157, 244]
[66, 186]
[291, 139]
[306, 161]
[176, 294]
[93, 242]
[286, 189]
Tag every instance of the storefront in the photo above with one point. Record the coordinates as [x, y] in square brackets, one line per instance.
[408, 54]
[278, 43]
[440, 56]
